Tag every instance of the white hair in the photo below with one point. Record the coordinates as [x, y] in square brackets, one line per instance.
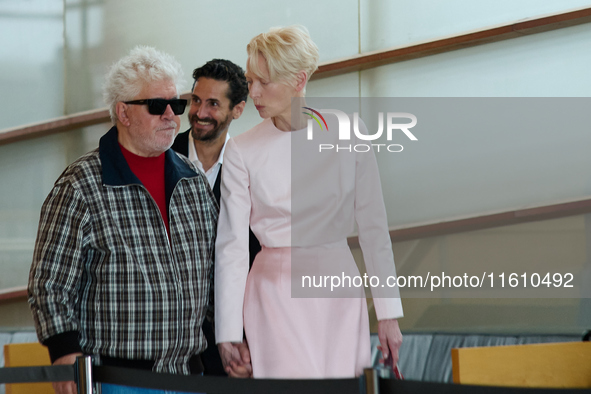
[127, 77]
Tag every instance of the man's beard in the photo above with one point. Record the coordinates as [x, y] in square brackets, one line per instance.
[213, 134]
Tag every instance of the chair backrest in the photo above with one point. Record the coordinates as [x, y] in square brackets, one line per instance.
[27, 355]
[550, 365]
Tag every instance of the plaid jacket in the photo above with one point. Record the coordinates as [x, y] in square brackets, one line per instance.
[106, 279]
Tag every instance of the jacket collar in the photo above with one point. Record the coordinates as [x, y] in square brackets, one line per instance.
[116, 171]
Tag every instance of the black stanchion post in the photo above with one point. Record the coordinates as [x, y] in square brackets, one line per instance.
[84, 374]
[372, 385]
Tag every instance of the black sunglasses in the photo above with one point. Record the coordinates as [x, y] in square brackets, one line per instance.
[158, 106]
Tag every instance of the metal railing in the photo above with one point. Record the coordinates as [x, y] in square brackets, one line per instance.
[349, 64]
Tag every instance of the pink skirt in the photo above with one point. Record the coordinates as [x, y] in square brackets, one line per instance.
[303, 337]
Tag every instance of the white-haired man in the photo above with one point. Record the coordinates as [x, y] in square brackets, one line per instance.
[123, 260]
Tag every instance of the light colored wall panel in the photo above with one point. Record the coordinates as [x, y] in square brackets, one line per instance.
[192, 31]
[460, 173]
[346, 85]
[31, 61]
[387, 24]
[551, 64]
[557, 245]
[28, 172]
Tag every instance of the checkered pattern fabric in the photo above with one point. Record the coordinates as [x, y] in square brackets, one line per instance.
[105, 267]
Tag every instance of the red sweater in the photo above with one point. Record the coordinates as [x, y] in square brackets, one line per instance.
[150, 171]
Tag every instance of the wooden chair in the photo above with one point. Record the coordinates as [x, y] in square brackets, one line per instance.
[549, 365]
[27, 355]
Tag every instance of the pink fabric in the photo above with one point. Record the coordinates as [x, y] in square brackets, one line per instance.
[302, 337]
[304, 205]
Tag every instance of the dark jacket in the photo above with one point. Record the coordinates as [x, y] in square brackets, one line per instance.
[107, 279]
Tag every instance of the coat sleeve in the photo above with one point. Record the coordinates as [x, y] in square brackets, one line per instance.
[374, 237]
[54, 280]
[232, 246]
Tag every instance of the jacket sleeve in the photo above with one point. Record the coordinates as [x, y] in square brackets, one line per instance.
[232, 247]
[54, 280]
[374, 237]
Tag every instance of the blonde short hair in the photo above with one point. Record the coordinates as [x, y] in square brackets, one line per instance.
[287, 50]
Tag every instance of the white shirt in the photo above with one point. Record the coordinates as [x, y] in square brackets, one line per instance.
[213, 172]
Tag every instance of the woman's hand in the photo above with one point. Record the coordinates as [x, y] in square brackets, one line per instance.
[390, 339]
[236, 359]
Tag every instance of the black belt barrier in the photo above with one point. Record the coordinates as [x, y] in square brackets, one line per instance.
[391, 386]
[222, 385]
[59, 373]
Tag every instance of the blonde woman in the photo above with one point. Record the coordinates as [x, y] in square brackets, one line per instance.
[291, 337]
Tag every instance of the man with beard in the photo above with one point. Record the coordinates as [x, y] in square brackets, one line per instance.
[123, 260]
[219, 95]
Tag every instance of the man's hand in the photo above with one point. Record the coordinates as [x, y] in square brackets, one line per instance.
[236, 359]
[66, 387]
[390, 339]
